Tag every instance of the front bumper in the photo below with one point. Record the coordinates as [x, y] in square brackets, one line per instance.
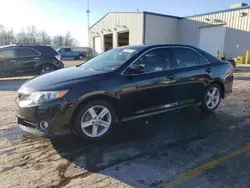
[57, 114]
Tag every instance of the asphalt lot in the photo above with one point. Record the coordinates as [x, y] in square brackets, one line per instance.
[72, 63]
[185, 148]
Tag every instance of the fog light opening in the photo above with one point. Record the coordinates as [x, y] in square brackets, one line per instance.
[44, 125]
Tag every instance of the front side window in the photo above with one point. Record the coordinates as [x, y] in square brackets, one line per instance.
[184, 57]
[6, 54]
[26, 52]
[112, 59]
[155, 60]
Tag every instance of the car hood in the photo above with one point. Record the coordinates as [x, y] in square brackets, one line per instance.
[60, 79]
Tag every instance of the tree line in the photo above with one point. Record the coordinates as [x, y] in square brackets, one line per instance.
[31, 35]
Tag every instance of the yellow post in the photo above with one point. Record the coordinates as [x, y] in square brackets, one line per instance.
[239, 60]
[247, 57]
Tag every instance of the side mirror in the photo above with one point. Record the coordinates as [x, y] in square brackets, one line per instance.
[135, 69]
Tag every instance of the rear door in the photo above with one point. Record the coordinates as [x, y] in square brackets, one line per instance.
[192, 73]
[7, 61]
[26, 59]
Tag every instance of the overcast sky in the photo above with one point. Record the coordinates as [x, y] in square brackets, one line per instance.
[58, 16]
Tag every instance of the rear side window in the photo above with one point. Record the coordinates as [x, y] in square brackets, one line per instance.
[47, 50]
[203, 60]
[209, 57]
[184, 57]
[7, 54]
[26, 52]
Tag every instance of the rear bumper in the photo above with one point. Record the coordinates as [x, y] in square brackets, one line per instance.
[59, 64]
[228, 85]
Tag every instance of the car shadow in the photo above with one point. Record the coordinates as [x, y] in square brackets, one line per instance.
[151, 137]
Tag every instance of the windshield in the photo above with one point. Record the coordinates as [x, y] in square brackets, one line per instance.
[111, 59]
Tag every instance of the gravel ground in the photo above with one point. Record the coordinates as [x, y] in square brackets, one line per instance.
[138, 154]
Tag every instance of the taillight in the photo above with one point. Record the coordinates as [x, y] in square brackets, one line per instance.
[58, 57]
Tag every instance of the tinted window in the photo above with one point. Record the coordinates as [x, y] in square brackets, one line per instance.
[26, 52]
[7, 54]
[67, 50]
[47, 50]
[184, 57]
[111, 59]
[155, 60]
[209, 57]
[203, 60]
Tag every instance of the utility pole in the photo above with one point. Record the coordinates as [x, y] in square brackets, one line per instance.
[88, 11]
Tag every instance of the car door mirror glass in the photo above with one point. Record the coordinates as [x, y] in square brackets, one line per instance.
[135, 69]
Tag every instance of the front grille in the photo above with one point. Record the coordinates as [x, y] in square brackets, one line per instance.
[27, 123]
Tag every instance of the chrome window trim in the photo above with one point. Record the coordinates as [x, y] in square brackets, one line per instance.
[169, 47]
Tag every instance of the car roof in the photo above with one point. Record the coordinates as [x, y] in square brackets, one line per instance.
[156, 45]
[24, 45]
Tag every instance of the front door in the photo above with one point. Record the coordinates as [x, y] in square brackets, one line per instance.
[148, 91]
[26, 59]
[192, 73]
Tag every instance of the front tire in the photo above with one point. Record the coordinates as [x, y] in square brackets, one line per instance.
[211, 98]
[95, 120]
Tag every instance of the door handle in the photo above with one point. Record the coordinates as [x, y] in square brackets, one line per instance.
[208, 70]
[12, 61]
[36, 58]
[171, 77]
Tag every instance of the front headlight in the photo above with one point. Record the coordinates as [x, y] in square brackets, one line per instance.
[42, 97]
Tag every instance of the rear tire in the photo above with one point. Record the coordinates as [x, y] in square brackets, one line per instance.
[80, 57]
[211, 98]
[46, 69]
[95, 120]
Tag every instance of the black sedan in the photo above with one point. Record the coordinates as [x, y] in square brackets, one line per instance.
[121, 85]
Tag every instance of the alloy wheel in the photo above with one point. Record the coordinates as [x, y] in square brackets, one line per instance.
[212, 97]
[96, 121]
[46, 70]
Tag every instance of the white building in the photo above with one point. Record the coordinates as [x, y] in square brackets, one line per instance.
[227, 31]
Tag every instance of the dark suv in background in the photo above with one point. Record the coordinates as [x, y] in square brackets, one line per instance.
[28, 59]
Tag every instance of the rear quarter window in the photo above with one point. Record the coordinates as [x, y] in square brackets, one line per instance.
[47, 50]
[208, 56]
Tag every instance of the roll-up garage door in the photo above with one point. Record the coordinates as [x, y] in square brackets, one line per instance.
[97, 45]
[212, 39]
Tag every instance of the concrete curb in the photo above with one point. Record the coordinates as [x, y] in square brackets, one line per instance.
[17, 78]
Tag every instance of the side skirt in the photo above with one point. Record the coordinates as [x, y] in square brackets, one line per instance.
[157, 112]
